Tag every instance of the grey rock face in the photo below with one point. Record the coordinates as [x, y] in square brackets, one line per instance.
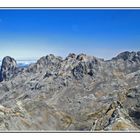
[81, 93]
[8, 68]
[133, 57]
[50, 63]
[84, 68]
[71, 55]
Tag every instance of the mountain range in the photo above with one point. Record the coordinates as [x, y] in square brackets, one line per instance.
[78, 93]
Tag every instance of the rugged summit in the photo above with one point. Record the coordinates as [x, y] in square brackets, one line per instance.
[78, 93]
[129, 56]
[8, 68]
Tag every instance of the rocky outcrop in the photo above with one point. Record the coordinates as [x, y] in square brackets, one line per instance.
[129, 56]
[78, 93]
[49, 64]
[8, 68]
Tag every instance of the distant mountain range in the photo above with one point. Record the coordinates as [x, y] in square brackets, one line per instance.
[23, 63]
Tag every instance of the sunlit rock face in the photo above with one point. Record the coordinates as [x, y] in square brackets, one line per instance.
[78, 93]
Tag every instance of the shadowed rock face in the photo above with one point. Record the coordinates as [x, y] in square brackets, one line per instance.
[77, 93]
[8, 68]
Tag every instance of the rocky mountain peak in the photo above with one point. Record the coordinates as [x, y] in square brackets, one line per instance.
[45, 63]
[8, 67]
[71, 55]
[131, 56]
[81, 57]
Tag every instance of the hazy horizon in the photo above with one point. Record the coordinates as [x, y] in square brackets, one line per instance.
[31, 34]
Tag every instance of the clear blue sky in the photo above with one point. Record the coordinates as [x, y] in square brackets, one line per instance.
[29, 34]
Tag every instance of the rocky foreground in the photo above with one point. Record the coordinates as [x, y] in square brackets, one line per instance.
[78, 93]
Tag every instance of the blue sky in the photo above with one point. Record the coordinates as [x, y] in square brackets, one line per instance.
[30, 34]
